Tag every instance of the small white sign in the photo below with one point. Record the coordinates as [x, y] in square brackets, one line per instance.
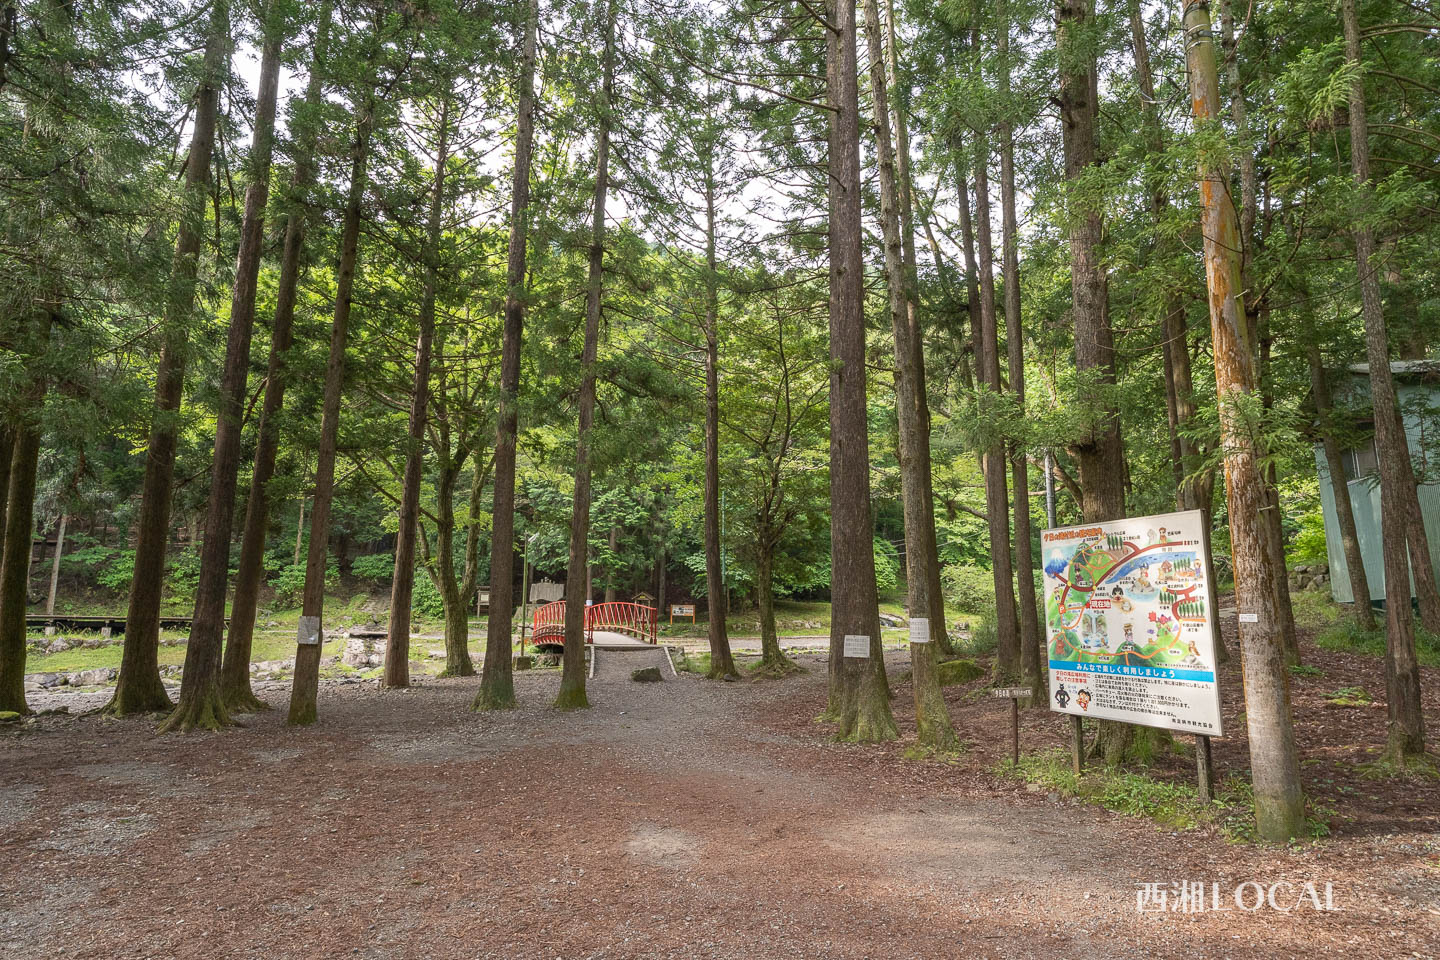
[682, 610]
[919, 630]
[857, 645]
[308, 633]
[1249, 618]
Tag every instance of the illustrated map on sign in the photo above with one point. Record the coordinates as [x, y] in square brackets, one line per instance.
[1135, 598]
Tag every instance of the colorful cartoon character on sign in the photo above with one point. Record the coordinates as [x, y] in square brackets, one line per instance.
[1083, 698]
[1062, 697]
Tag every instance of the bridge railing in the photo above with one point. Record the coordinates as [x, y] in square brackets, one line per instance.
[635, 619]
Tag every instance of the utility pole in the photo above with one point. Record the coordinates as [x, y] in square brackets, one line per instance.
[1275, 766]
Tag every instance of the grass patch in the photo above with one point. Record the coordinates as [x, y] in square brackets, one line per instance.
[1411, 768]
[1347, 636]
[1305, 670]
[1174, 806]
[694, 662]
[1351, 697]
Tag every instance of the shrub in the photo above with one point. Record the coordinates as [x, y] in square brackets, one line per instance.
[290, 584]
[967, 587]
[1308, 544]
[887, 565]
[425, 600]
[183, 574]
[378, 568]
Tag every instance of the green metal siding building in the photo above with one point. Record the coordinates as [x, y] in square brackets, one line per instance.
[1417, 382]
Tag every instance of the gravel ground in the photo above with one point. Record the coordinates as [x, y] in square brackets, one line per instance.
[686, 818]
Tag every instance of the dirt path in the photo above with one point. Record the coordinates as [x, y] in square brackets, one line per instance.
[680, 819]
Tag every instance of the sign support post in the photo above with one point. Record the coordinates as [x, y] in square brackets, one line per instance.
[1013, 694]
[1204, 768]
[1077, 744]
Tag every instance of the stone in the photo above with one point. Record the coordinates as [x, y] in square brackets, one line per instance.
[524, 663]
[952, 672]
[9, 716]
[890, 620]
[90, 678]
[646, 675]
[59, 645]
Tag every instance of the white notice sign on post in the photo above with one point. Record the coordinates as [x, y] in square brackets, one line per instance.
[857, 645]
[919, 630]
[308, 632]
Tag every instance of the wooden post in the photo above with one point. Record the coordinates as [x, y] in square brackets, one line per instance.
[1077, 745]
[1015, 731]
[1204, 768]
[55, 567]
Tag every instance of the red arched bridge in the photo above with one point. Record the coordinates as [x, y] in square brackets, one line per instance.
[619, 623]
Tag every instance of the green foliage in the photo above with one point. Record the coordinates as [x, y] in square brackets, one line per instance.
[1348, 636]
[1351, 697]
[377, 568]
[968, 588]
[426, 603]
[887, 565]
[290, 584]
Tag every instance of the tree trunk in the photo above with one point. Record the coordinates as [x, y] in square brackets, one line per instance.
[927, 547]
[497, 685]
[138, 688]
[235, 670]
[24, 457]
[55, 566]
[993, 460]
[614, 544]
[932, 718]
[1344, 509]
[305, 686]
[722, 665]
[1031, 642]
[860, 696]
[1098, 454]
[402, 584]
[299, 532]
[572, 679]
[201, 680]
[1274, 763]
[770, 653]
[1397, 478]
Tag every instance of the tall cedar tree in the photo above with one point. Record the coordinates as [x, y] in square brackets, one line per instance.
[1397, 477]
[572, 678]
[497, 686]
[138, 688]
[1274, 763]
[202, 701]
[305, 685]
[402, 584]
[859, 695]
[932, 718]
[235, 671]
